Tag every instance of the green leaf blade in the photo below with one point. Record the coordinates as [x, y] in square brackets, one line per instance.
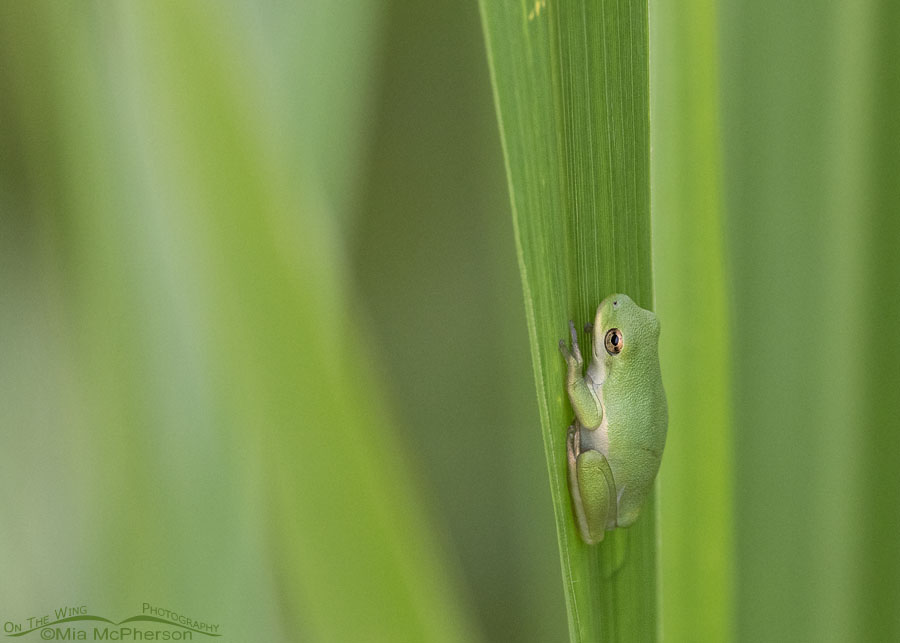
[571, 86]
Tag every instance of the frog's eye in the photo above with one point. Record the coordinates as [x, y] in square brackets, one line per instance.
[613, 341]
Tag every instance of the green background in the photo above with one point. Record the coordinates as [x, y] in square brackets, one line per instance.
[263, 355]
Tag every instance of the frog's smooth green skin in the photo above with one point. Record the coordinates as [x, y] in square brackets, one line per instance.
[616, 442]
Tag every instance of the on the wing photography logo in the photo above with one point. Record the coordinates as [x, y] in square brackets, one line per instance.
[77, 623]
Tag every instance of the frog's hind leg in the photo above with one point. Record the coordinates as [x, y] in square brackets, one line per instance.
[573, 450]
[591, 486]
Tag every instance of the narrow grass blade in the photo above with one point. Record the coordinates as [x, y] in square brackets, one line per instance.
[571, 88]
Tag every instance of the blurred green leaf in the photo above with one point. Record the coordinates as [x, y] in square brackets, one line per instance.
[571, 87]
[231, 453]
[323, 60]
[811, 159]
[438, 286]
[696, 480]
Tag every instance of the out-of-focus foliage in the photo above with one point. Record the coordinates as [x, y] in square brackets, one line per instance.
[263, 353]
[812, 160]
[439, 290]
[191, 417]
[696, 537]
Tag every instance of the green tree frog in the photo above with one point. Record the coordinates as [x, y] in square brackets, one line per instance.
[615, 443]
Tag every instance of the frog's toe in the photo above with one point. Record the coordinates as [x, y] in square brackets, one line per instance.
[574, 334]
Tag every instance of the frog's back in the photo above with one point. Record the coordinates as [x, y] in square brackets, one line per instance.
[637, 437]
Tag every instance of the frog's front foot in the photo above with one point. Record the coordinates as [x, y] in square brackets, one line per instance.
[573, 357]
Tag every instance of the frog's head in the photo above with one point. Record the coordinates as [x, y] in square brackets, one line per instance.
[623, 331]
